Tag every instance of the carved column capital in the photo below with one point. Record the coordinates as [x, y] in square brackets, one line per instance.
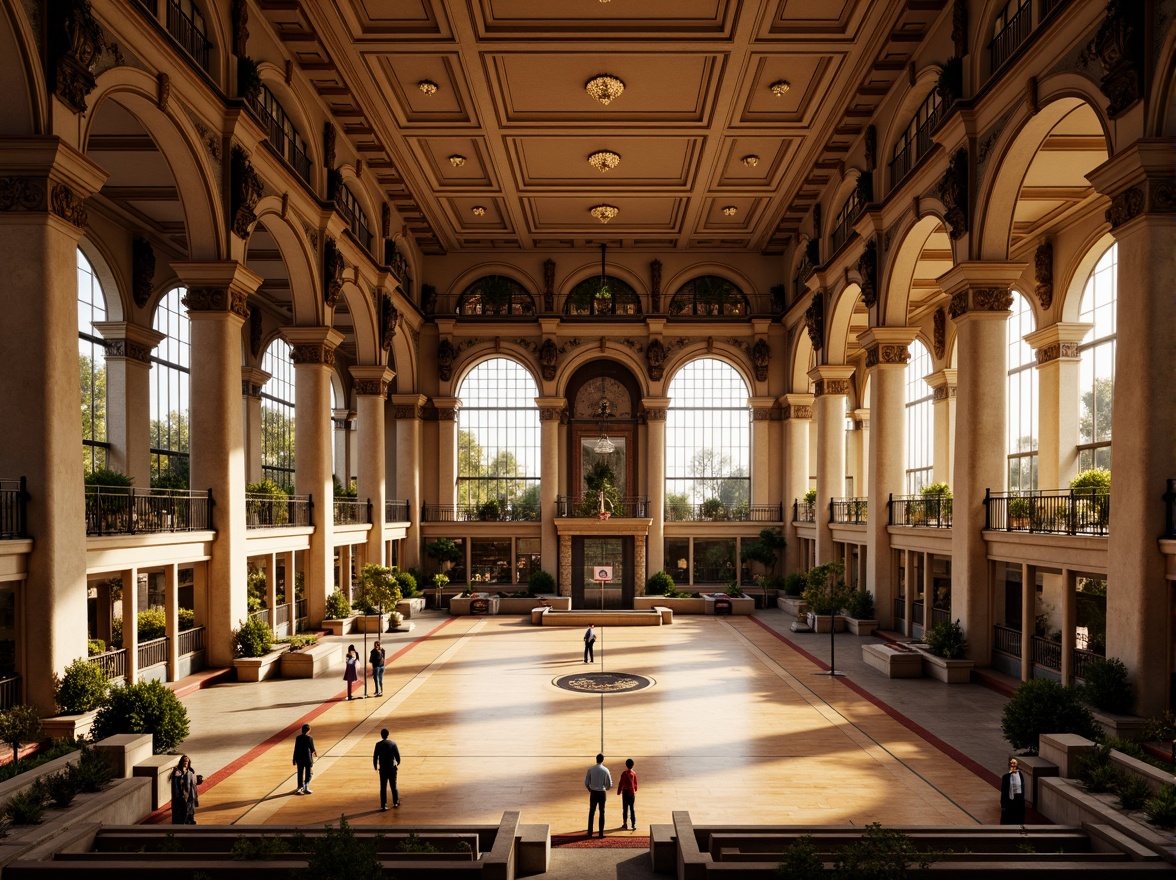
[887, 346]
[253, 379]
[408, 406]
[943, 384]
[312, 345]
[217, 286]
[550, 408]
[1139, 181]
[980, 288]
[830, 379]
[655, 408]
[373, 381]
[1057, 341]
[796, 406]
[447, 408]
[122, 339]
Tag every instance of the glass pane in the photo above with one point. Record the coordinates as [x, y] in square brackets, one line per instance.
[490, 562]
[614, 461]
[598, 552]
[677, 559]
[714, 561]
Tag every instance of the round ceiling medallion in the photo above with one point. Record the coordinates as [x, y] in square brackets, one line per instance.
[604, 88]
[479, 211]
[603, 682]
[604, 160]
[604, 213]
[780, 87]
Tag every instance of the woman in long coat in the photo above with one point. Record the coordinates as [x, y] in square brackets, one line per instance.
[185, 797]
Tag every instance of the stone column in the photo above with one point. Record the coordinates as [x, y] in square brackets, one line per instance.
[797, 413]
[1139, 181]
[341, 423]
[1058, 377]
[408, 411]
[128, 397]
[886, 363]
[171, 610]
[130, 620]
[371, 391]
[861, 424]
[40, 226]
[1069, 613]
[928, 588]
[761, 448]
[312, 349]
[216, 304]
[980, 299]
[1028, 618]
[943, 410]
[550, 409]
[655, 469]
[447, 421]
[253, 380]
[831, 385]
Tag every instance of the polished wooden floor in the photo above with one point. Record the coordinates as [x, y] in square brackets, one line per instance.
[736, 729]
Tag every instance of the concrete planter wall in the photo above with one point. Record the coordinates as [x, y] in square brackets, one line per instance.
[861, 627]
[69, 726]
[893, 662]
[409, 607]
[474, 604]
[338, 627]
[693, 605]
[948, 671]
[1120, 726]
[819, 623]
[793, 605]
[310, 661]
[738, 605]
[259, 668]
[371, 623]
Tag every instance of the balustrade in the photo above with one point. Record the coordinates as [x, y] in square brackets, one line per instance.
[190, 641]
[278, 511]
[588, 506]
[13, 509]
[848, 510]
[397, 511]
[918, 511]
[181, 26]
[153, 653]
[709, 512]
[352, 512]
[1049, 511]
[125, 510]
[114, 662]
[9, 692]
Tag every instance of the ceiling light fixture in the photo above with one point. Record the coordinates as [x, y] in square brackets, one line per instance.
[730, 211]
[456, 161]
[604, 88]
[603, 292]
[427, 86]
[780, 87]
[479, 211]
[603, 446]
[604, 160]
[604, 213]
[750, 161]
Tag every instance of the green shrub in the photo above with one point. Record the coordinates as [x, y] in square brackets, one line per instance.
[444, 550]
[253, 638]
[27, 807]
[187, 619]
[801, 861]
[1042, 705]
[490, 510]
[1161, 807]
[659, 583]
[713, 508]
[83, 687]
[810, 497]
[20, 724]
[947, 640]
[880, 854]
[413, 844]
[152, 624]
[299, 641]
[94, 647]
[56, 749]
[1102, 778]
[1018, 508]
[407, 581]
[794, 583]
[860, 605]
[61, 788]
[1107, 686]
[338, 607]
[378, 588]
[144, 707]
[826, 592]
[764, 549]
[340, 855]
[93, 771]
[1133, 792]
[540, 581]
[246, 849]
[107, 477]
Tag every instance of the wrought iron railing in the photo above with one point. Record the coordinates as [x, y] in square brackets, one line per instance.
[1006, 640]
[285, 143]
[9, 692]
[484, 512]
[917, 612]
[849, 213]
[350, 512]
[180, 26]
[1049, 511]
[736, 513]
[1048, 7]
[1047, 653]
[1014, 33]
[190, 641]
[918, 511]
[153, 653]
[849, 510]
[114, 662]
[349, 210]
[281, 615]
[899, 608]
[124, 510]
[300, 609]
[916, 148]
[262, 614]
[397, 511]
[587, 507]
[276, 512]
[803, 511]
[14, 516]
[940, 615]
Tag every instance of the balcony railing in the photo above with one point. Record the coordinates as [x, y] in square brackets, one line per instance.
[508, 512]
[1048, 7]
[929, 512]
[124, 510]
[1006, 640]
[1014, 33]
[299, 609]
[274, 512]
[180, 26]
[587, 507]
[1170, 500]
[1047, 653]
[899, 608]
[190, 641]
[1049, 511]
[14, 517]
[281, 615]
[917, 612]
[848, 510]
[350, 513]
[397, 511]
[114, 662]
[803, 511]
[262, 614]
[9, 692]
[940, 615]
[737, 513]
[283, 141]
[152, 653]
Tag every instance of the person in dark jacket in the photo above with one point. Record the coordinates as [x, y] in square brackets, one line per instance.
[304, 755]
[385, 759]
[185, 796]
[377, 659]
[1012, 795]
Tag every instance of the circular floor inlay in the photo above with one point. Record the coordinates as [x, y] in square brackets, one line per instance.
[603, 682]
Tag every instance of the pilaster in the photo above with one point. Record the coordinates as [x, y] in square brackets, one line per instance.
[342, 428]
[408, 410]
[796, 411]
[550, 411]
[655, 425]
[761, 448]
[943, 410]
[831, 385]
[447, 421]
[128, 396]
[371, 393]
[1058, 376]
[253, 379]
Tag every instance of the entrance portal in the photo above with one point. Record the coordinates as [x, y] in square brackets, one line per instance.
[587, 553]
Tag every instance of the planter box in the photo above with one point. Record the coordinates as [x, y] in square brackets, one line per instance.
[948, 671]
[1063, 749]
[819, 623]
[337, 627]
[1035, 769]
[371, 623]
[1120, 726]
[474, 605]
[724, 604]
[893, 662]
[259, 668]
[409, 607]
[310, 661]
[69, 726]
[793, 605]
[692, 605]
[861, 627]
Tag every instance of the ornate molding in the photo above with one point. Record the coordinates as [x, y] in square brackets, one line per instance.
[22, 194]
[1125, 206]
[796, 411]
[814, 320]
[826, 387]
[548, 359]
[68, 206]
[446, 413]
[246, 191]
[333, 266]
[408, 411]
[1055, 351]
[655, 357]
[255, 331]
[312, 353]
[75, 42]
[216, 299]
[1043, 270]
[981, 299]
[761, 413]
[126, 348]
[389, 321]
[887, 354]
[655, 413]
[761, 353]
[372, 387]
[939, 332]
[943, 392]
[142, 270]
[867, 266]
[550, 413]
[953, 192]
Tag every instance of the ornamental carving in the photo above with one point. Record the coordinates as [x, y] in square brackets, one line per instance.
[445, 356]
[1043, 271]
[655, 279]
[312, 353]
[655, 356]
[332, 272]
[826, 387]
[389, 321]
[216, 299]
[1163, 197]
[428, 299]
[761, 414]
[887, 354]
[246, 191]
[240, 27]
[75, 43]
[255, 331]
[1125, 206]
[1056, 350]
[982, 299]
[655, 414]
[814, 321]
[959, 27]
[953, 192]
[329, 136]
[549, 285]
[142, 270]
[371, 387]
[796, 411]
[411, 411]
[760, 355]
[548, 358]
[867, 266]
[446, 413]
[68, 206]
[605, 393]
[550, 413]
[939, 332]
[125, 348]
[943, 392]
[1118, 46]
[162, 91]
[22, 194]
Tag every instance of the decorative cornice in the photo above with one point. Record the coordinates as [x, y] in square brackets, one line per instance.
[796, 411]
[68, 206]
[127, 348]
[943, 392]
[216, 299]
[400, 411]
[312, 353]
[826, 387]
[761, 414]
[980, 299]
[1055, 351]
[550, 413]
[887, 354]
[371, 387]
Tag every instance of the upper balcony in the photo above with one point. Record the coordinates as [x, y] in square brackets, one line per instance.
[14, 498]
[1049, 511]
[125, 510]
[488, 511]
[714, 510]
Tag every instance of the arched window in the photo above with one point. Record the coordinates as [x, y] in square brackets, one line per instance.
[915, 140]
[357, 220]
[709, 295]
[277, 416]
[283, 136]
[614, 297]
[1097, 382]
[920, 427]
[92, 364]
[843, 225]
[498, 444]
[496, 295]
[185, 22]
[1022, 399]
[170, 368]
[708, 442]
[1010, 29]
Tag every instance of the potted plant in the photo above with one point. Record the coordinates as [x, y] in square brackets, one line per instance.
[1111, 695]
[1092, 497]
[338, 614]
[937, 503]
[80, 693]
[256, 660]
[379, 590]
[792, 602]
[713, 509]
[490, 510]
[825, 594]
[439, 582]
[859, 612]
[943, 656]
[1018, 515]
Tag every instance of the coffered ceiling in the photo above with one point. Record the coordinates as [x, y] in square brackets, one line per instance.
[510, 101]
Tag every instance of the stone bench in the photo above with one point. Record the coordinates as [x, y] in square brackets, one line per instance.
[893, 662]
[551, 617]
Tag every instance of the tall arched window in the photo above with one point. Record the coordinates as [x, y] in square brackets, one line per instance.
[92, 366]
[170, 367]
[708, 441]
[498, 451]
[277, 416]
[920, 427]
[1097, 351]
[1022, 399]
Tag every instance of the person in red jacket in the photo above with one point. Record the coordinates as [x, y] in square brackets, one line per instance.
[627, 789]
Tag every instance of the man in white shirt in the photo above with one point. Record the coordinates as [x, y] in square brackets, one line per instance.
[599, 783]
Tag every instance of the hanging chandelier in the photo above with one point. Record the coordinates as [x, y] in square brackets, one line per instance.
[603, 292]
[604, 88]
[603, 446]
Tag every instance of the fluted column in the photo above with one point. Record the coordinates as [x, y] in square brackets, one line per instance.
[980, 299]
[1058, 378]
[371, 393]
[797, 413]
[216, 304]
[886, 362]
[253, 379]
[655, 423]
[943, 410]
[447, 423]
[1140, 182]
[312, 349]
[128, 397]
[831, 386]
[407, 409]
[550, 409]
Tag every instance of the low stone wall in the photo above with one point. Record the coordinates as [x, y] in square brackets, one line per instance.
[693, 605]
[893, 662]
[471, 604]
[310, 661]
[650, 617]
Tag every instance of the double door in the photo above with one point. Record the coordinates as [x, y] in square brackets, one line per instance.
[588, 553]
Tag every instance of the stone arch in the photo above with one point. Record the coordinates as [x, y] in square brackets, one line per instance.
[673, 284]
[24, 107]
[592, 270]
[1161, 114]
[479, 354]
[299, 258]
[800, 362]
[402, 360]
[839, 322]
[118, 304]
[274, 79]
[215, 32]
[728, 354]
[926, 80]
[363, 195]
[481, 270]
[613, 351]
[406, 247]
[365, 325]
[1078, 274]
[902, 265]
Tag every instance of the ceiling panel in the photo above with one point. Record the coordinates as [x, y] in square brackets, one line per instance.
[562, 162]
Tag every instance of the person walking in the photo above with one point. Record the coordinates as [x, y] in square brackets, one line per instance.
[627, 789]
[589, 642]
[599, 782]
[1012, 795]
[304, 755]
[185, 794]
[351, 669]
[377, 660]
[385, 759]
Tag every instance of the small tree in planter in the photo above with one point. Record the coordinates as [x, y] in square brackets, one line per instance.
[144, 707]
[1107, 686]
[439, 582]
[338, 608]
[254, 638]
[540, 582]
[82, 688]
[20, 724]
[378, 587]
[660, 583]
[764, 549]
[947, 640]
[936, 502]
[860, 605]
[1042, 705]
[826, 594]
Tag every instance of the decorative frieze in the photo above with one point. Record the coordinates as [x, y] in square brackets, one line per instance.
[981, 299]
[246, 191]
[887, 353]
[796, 411]
[550, 413]
[655, 413]
[446, 413]
[1043, 270]
[216, 299]
[372, 387]
[408, 411]
[943, 392]
[761, 413]
[22, 194]
[1056, 350]
[127, 348]
[312, 353]
[142, 270]
[939, 332]
[953, 192]
[825, 387]
[68, 206]
[761, 353]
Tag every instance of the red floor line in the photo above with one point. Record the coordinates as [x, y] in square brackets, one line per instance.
[952, 752]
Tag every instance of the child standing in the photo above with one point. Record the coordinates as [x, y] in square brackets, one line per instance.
[627, 789]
